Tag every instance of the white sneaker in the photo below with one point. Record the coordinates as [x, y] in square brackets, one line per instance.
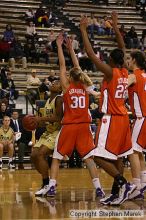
[42, 191]
[1, 165]
[126, 190]
[11, 165]
[136, 195]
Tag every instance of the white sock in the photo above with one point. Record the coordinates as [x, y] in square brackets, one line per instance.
[96, 183]
[10, 159]
[137, 182]
[143, 178]
[0, 159]
[52, 182]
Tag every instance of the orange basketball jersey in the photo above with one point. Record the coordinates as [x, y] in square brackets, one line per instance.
[113, 93]
[76, 103]
[137, 94]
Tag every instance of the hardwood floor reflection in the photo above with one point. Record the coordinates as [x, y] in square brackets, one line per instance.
[75, 192]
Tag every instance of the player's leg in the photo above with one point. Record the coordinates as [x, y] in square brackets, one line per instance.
[39, 157]
[85, 147]
[95, 177]
[1, 154]
[10, 155]
[65, 143]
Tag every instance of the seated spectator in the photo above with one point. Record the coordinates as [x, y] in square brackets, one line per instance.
[40, 17]
[95, 26]
[22, 137]
[51, 37]
[29, 15]
[75, 43]
[84, 61]
[4, 110]
[52, 18]
[30, 52]
[33, 83]
[44, 88]
[8, 84]
[17, 54]
[31, 31]
[143, 40]
[123, 31]
[4, 50]
[7, 138]
[108, 26]
[132, 39]
[42, 50]
[8, 34]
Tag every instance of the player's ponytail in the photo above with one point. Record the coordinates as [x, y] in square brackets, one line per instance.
[140, 59]
[79, 76]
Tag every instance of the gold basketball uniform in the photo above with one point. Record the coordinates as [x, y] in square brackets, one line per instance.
[52, 129]
[6, 134]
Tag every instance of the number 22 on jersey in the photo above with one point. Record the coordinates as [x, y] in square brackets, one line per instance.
[121, 91]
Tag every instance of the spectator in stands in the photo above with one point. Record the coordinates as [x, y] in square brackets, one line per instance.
[132, 38]
[29, 15]
[7, 138]
[31, 31]
[52, 18]
[84, 61]
[33, 83]
[4, 50]
[8, 34]
[17, 54]
[4, 110]
[143, 40]
[8, 84]
[95, 26]
[30, 51]
[51, 37]
[75, 43]
[22, 137]
[42, 50]
[40, 17]
[108, 26]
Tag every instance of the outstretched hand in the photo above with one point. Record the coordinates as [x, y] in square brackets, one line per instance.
[59, 40]
[114, 16]
[68, 43]
[83, 23]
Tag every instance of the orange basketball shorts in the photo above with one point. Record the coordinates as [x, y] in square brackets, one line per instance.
[74, 136]
[113, 137]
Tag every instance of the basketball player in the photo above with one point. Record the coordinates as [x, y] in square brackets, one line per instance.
[7, 137]
[137, 100]
[75, 131]
[113, 139]
[53, 112]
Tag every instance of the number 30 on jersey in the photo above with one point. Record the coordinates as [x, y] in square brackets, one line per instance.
[78, 102]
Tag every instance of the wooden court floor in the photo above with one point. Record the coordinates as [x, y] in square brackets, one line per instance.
[74, 192]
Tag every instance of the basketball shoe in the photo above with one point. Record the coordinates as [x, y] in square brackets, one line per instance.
[107, 200]
[11, 165]
[125, 191]
[1, 165]
[52, 191]
[42, 191]
[136, 195]
[100, 193]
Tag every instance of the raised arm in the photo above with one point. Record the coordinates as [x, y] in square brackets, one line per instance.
[72, 53]
[104, 68]
[63, 77]
[119, 37]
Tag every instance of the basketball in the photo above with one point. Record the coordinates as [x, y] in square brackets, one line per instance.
[29, 122]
